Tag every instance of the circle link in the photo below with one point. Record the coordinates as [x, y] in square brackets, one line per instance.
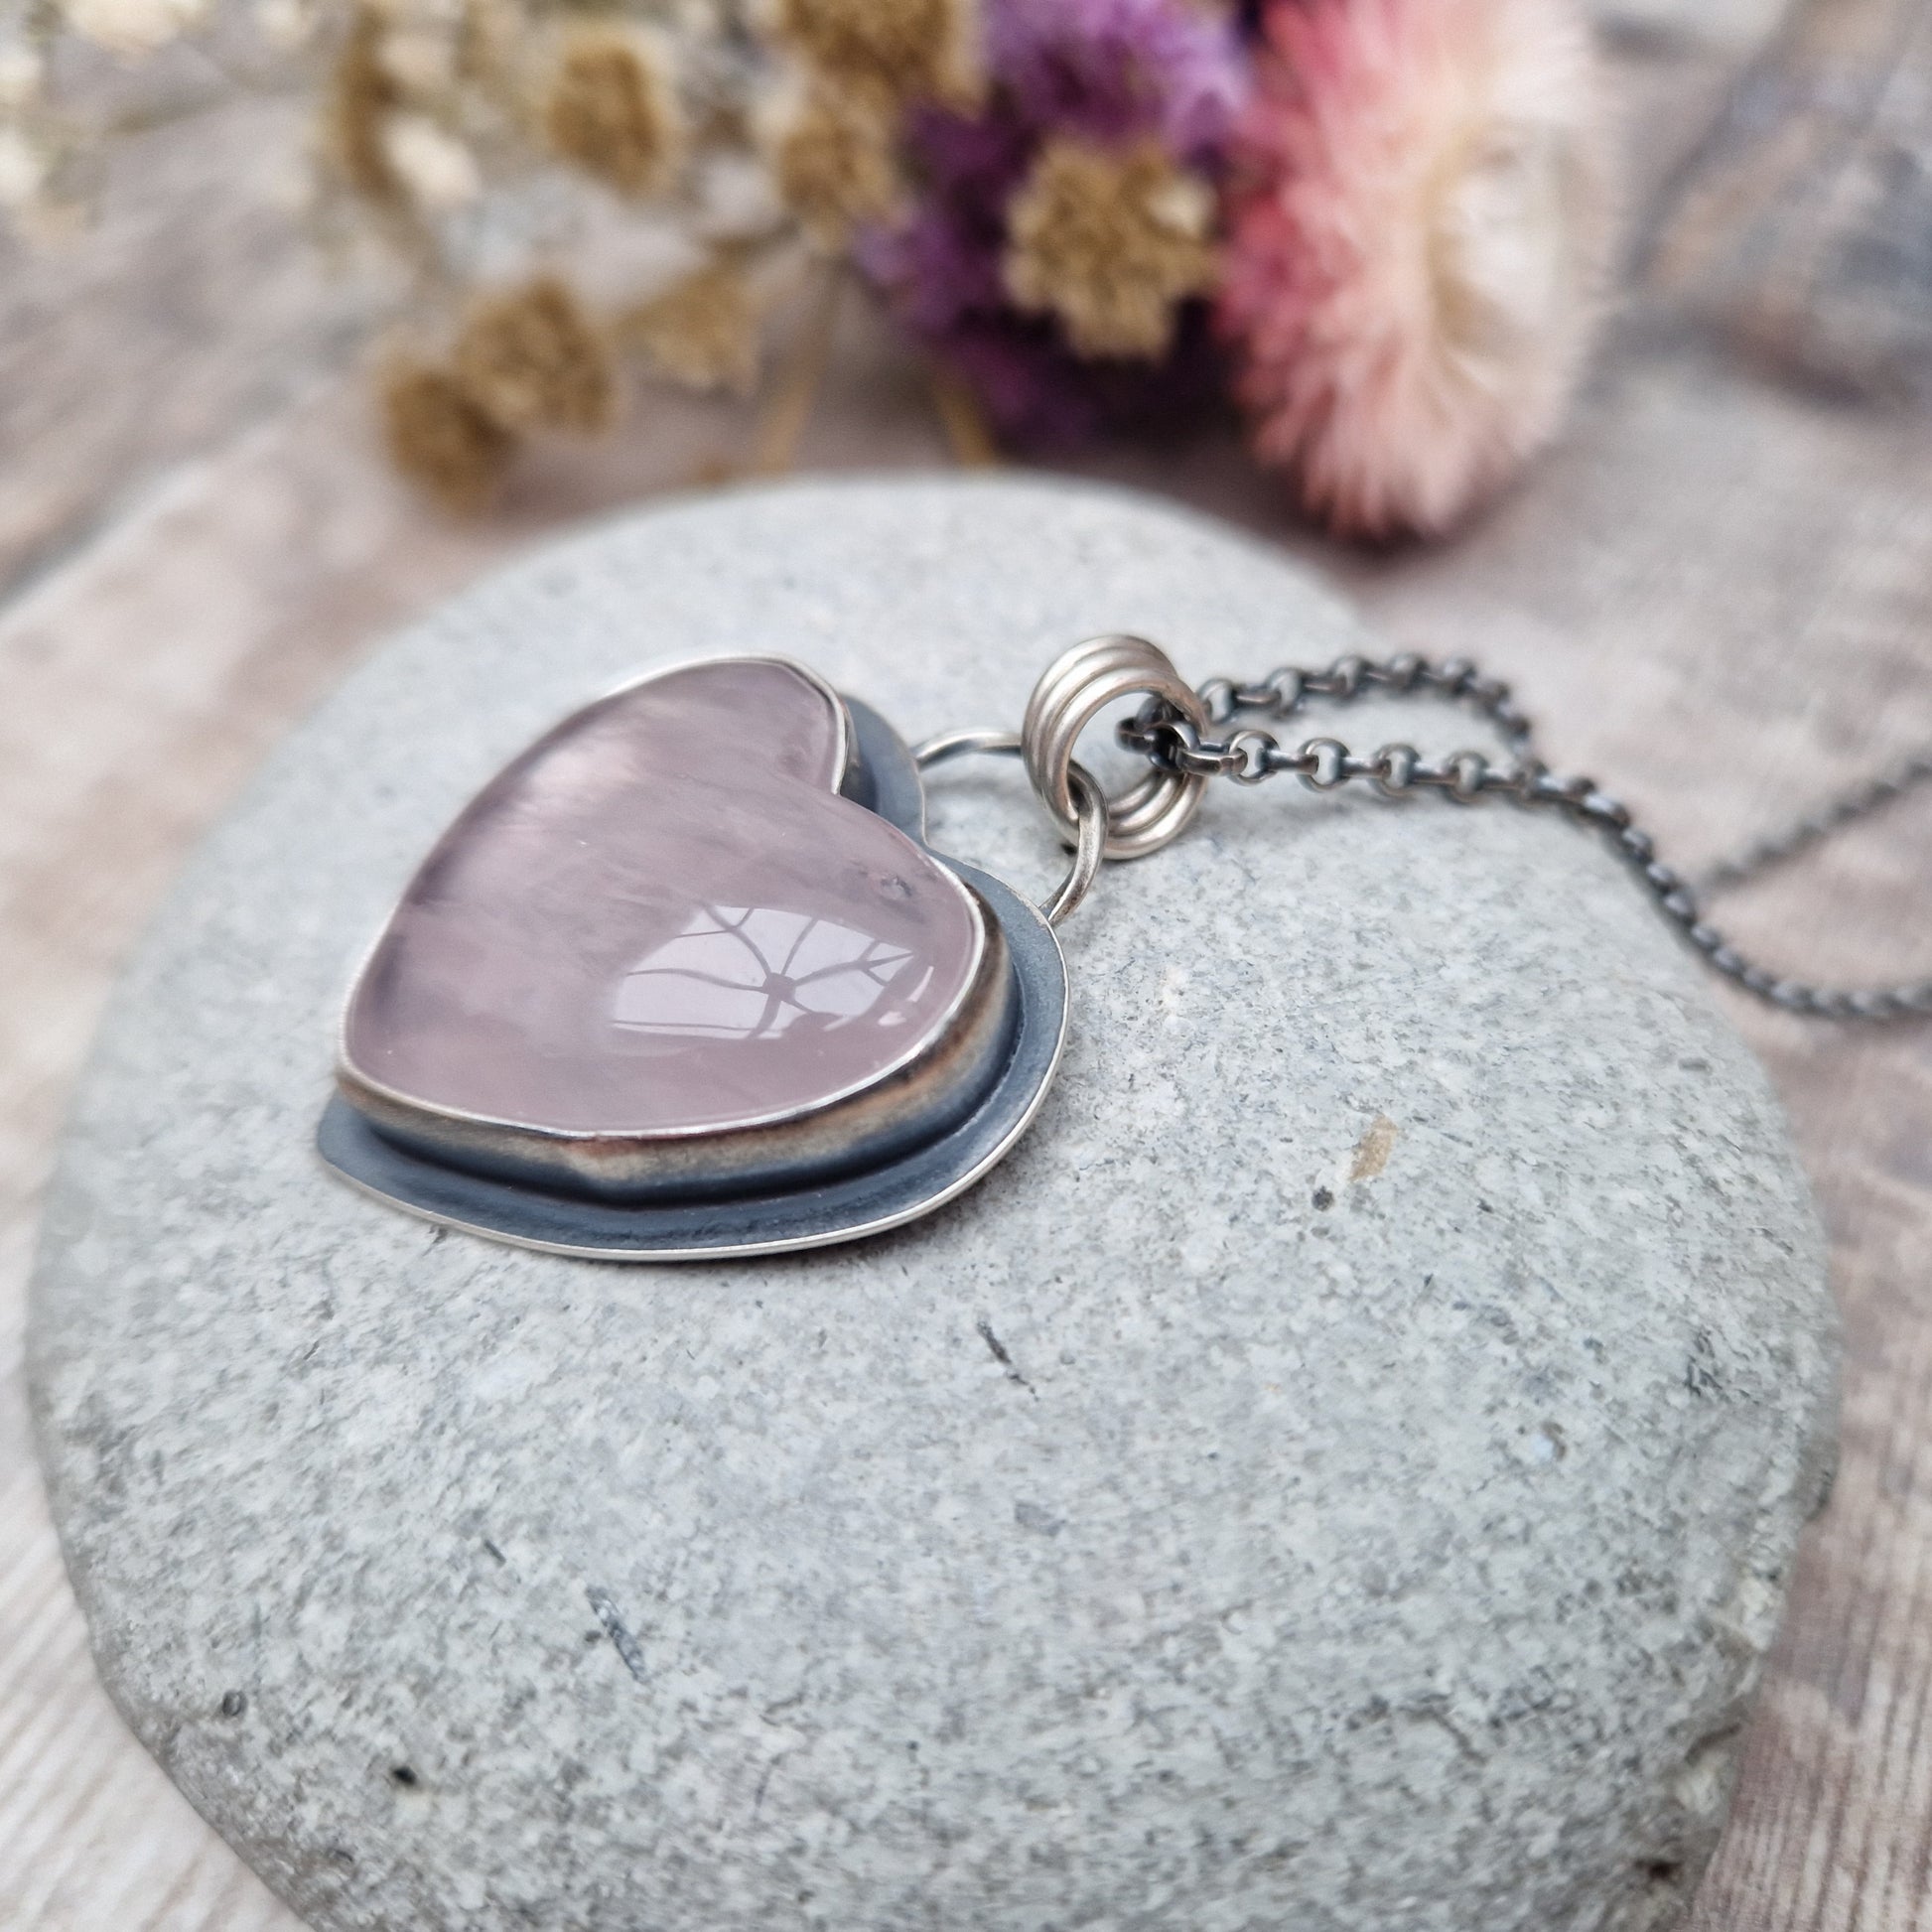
[1090, 810]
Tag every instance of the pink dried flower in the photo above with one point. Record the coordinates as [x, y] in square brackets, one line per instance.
[1415, 247]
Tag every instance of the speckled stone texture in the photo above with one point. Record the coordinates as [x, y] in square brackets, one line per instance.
[1340, 1473]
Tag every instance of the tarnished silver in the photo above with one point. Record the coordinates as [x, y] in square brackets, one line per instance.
[1874, 795]
[1077, 686]
[1176, 739]
[1089, 810]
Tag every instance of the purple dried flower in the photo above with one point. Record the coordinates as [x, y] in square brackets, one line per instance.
[1098, 70]
[1111, 69]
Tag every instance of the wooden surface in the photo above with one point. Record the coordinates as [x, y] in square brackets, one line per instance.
[1801, 231]
[1717, 596]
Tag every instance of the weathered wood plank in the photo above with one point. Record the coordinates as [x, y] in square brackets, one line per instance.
[194, 307]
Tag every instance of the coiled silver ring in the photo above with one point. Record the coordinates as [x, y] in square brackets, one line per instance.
[1076, 687]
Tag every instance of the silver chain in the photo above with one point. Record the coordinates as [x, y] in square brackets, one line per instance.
[1251, 754]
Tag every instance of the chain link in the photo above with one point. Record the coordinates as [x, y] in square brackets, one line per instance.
[1252, 753]
[1874, 795]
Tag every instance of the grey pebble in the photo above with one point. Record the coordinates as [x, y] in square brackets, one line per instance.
[1340, 1473]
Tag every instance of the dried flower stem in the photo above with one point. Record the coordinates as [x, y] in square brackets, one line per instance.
[150, 117]
[969, 435]
[781, 425]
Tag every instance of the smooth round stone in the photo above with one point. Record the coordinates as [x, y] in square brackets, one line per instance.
[1341, 1472]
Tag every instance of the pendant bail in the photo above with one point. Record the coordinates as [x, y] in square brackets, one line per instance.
[1076, 688]
[1089, 839]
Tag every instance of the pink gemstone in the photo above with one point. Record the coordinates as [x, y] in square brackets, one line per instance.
[663, 919]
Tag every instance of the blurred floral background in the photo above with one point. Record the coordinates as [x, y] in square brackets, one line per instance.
[1378, 231]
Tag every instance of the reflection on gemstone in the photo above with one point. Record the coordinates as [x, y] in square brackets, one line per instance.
[751, 972]
[616, 938]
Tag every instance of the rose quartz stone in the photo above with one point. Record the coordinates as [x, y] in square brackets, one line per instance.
[662, 918]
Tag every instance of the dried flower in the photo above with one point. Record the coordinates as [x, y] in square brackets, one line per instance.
[1109, 241]
[532, 358]
[434, 167]
[901, 50]
[439, 438]
[1413, 269]
[834, 161]
[702, 332]
[494, 47]
[612, 110]
[1090, 75]
[133, 27]
[1117, 70]
[362, 94]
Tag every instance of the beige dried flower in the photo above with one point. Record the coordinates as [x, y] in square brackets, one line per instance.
[834, 161]
[492, 51]
[702, 332]
[1109, 241]
[532, 358]
[362, 94]
[612, 110]
[440, 439]
[901, 50]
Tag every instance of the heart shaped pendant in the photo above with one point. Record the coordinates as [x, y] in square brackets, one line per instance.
[685, 980]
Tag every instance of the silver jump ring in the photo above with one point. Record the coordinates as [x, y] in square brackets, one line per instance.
[1090, 816]
[1077, 686]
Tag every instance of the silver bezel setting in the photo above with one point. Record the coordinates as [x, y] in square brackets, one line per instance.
[907, 1176]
